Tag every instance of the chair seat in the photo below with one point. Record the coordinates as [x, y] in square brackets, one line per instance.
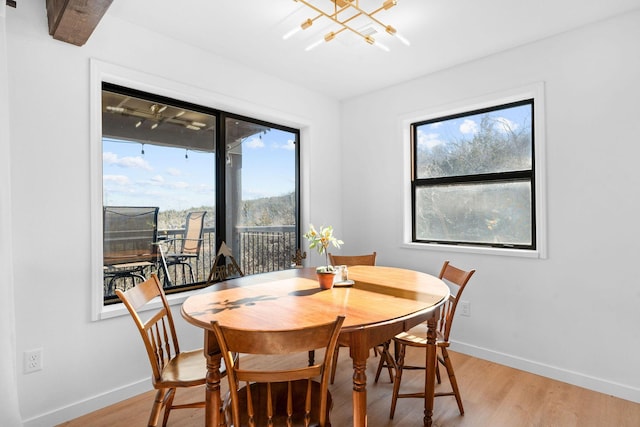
[279, 397]
[417, 337]
[188, 368]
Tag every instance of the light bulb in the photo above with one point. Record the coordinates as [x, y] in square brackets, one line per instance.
[314, 44]
[290, 33]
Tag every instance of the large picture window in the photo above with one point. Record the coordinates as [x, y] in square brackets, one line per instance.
[473, 178]
[179, 179]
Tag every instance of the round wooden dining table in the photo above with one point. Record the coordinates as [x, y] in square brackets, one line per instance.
[381, 302]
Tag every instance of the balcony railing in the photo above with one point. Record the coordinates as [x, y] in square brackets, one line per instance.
[256, 249]
[264, 249]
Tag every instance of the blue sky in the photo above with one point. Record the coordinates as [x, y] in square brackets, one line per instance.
[163, 177]
[443, 132]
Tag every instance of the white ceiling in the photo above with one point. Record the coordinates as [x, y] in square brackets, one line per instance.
[443, 33]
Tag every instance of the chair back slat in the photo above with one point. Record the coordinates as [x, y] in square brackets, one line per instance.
[349, 260]
[276, 342]
[457, 280]
[291, 396]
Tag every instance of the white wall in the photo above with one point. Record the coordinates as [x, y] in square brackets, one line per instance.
[88, 364]
[572, 315]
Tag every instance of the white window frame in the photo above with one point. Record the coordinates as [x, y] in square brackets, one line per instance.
[534, 91]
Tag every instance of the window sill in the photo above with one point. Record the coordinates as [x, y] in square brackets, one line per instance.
[522, 253]
[117, 310]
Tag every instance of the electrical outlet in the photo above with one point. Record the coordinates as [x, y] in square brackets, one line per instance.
[32, 360]
[465, 308]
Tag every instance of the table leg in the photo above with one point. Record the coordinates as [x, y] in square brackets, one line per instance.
[430, 363]
[213, 409]
[359, 394]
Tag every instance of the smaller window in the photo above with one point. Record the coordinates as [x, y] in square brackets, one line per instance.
[473, 178]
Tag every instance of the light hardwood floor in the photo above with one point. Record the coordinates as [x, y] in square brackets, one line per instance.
[493, 395]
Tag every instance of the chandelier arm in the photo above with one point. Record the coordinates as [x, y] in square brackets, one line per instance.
[317, 17]
[349, 18]
[370, 15]
[360, 34]
[333, 17]
[335, 33]
[322, 12]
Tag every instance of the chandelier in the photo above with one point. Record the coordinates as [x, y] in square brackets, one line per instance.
[346, 13]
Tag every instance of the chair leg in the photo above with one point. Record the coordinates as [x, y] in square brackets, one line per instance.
[396, 384]
[334, 363]
[168, 405]
[391, 364]
[193, 278]
[452, 378]
[381, 364]
[385, 360]
[158, 403]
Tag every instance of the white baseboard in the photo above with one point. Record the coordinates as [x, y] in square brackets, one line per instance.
[600, 385]
[88, 405]
[94, 403]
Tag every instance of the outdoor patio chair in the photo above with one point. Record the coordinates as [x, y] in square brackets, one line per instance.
[129, 234]
[189, 246]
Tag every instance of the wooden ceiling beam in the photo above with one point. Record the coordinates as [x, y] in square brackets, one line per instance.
[73, 21]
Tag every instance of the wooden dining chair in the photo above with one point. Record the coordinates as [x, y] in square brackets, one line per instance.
[170, 367]
[457, 280]
[291, 393]
[351, 260]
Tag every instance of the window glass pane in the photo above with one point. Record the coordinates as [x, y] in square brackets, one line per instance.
[158, 157]
[261, 195]
[475, 213]
[493, 141]
[171, 178]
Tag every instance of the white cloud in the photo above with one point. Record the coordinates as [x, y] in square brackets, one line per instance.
[125, 162]
[174, 172]
[469, 126]
[109, 158]
[116, 179]
[428, 140]
[158, 179]
[289, 145]
[179, 185]
[254, 143]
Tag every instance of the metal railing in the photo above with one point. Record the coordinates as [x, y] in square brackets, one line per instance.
[264, 249]
[256, 249]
